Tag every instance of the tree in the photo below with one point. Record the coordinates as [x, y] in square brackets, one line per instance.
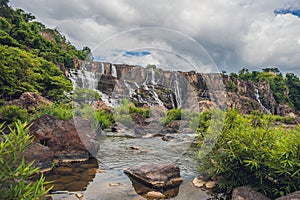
[4, 3]
[293, 83]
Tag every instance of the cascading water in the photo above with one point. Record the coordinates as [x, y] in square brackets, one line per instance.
[177, 92]
[114, 71]
[258, 100]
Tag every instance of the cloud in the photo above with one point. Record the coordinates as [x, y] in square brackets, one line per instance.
[235, 33]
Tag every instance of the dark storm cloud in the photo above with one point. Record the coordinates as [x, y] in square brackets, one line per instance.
[235, 33]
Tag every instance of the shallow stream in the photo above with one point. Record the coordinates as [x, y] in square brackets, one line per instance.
[104, 178]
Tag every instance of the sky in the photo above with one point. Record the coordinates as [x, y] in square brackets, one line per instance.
[229, 34]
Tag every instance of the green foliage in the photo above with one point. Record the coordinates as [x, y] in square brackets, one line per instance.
[285, 89]
[252, 151]
[174, 114]
[231, 86]
[13, 113]
[58, 110]
[15, 173]
[105, 119]
[126, 113]
[100, 118]
[21, 71]
[200, 121]
[293, 83]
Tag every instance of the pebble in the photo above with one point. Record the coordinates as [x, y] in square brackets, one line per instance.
[198, 182]
[114, 184]
[210, 184]
[154, 194]
[79, 195]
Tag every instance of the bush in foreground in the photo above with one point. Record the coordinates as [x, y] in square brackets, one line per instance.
[15, 174]
[251, 150]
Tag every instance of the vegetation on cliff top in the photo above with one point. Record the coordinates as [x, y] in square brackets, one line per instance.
[286, 89]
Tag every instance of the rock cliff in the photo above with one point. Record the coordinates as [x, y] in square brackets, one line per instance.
[153, 86]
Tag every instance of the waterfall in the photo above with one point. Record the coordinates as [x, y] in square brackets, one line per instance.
[130, 89]
[153, 77]
[155, 96]
[258, 100]
[177, 92]
[102, 68]
[114, 71]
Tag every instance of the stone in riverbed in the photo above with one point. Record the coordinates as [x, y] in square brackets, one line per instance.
[292, 196]
[156, 175]
[247, 193]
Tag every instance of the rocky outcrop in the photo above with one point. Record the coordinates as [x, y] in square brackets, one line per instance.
[29, 101]
[159, 176]
[247, 193]
[42, 156]
[68, 141]
[100, 105]
[292, 196]
[199, 92]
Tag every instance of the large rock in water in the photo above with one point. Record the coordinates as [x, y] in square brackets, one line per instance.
[159, 176]
[292, 196]
[247, 193]
[71, 140]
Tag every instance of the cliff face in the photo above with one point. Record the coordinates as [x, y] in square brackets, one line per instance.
[151, 86]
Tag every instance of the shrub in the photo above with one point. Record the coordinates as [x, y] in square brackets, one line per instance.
[174, 114]
[261, 155]
[15, 173]
[100, 118]
[13, 113]
[58, 110]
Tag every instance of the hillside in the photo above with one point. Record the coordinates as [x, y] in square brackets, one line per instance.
[32, 56]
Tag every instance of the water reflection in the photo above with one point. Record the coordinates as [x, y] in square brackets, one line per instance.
[73, 176]
[144, 190]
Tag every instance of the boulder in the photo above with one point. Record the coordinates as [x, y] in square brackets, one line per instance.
[247, 193]
[29, 101]
[156, 175]
[100, 105]
[71, 140]
[42, 156]
[292, 196]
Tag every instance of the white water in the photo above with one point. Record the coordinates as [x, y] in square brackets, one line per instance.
[258, 100]
[153, 77]
[155, 96]
[88, 77]
[114, 71]
[177, 92]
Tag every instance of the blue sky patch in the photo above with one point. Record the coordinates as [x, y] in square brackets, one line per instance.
[287, 11]
[137, 53]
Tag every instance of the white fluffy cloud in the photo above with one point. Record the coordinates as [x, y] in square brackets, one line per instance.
[235, 33]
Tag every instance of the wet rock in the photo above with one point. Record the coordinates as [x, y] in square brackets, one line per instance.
[155, 195]
[42, 155]
[292, 196]
[178, 125]
[156, 175]
[247, 193]
[29, 101]
[210, 184]
[147, 191]
[198, 182]
[134, 148]
[114, 184]
[79, 195]
[71, 140]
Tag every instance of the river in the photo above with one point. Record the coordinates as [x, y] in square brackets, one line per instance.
[104, 178]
